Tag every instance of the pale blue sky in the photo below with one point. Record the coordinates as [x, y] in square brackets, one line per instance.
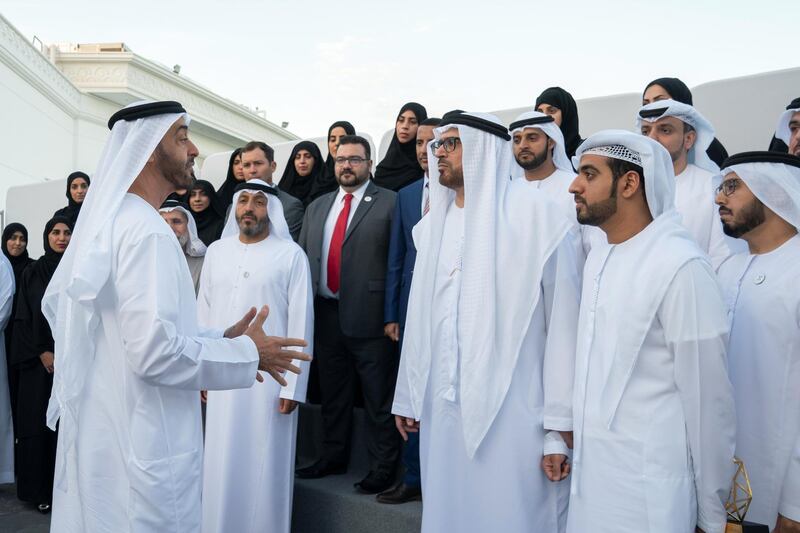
[310, 63]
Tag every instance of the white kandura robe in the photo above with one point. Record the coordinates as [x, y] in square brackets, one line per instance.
[7, 289]
[660, 466]
[694, 200]
[250, 447]
[556, 187]
[137, 461]
[195, 269]
[764, 361]
[502, 488]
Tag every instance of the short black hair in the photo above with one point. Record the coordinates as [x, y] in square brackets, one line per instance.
[432, 121]
[258, 145]
[620, 167]
[356, 139]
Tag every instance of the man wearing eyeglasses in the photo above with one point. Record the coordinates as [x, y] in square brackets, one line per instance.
[346, 237]
[759, 202]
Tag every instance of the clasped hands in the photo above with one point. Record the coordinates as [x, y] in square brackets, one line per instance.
[274, 356]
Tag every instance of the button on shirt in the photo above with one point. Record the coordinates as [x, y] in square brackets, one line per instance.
[327, 233]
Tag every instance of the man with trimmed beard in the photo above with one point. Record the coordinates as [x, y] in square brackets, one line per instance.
[129, 355]
[248, 468]
[346, 237]
[653, 408]
[759, 202]
[686, 135]
[787, 133]
[486, 369]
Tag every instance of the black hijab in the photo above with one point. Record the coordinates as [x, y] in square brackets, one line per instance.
[73, 208]
[21, 261]
[400, 167]
[225, 192]
[297, 185]
[558, 97]
[680, 92]
[211, 219]
[32, 335]
[45, 266]
[328, 182]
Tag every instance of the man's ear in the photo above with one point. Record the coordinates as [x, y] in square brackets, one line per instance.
[632, 182]
[689, 139]
[273, 166]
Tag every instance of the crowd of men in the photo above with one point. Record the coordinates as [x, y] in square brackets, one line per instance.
[551, 333]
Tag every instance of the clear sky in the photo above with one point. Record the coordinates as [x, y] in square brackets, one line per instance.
[311, 63]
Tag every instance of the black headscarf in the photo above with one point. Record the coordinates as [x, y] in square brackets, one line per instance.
[328, 182]
[32, 335]
[210, 220]
[73, 208]
[680, 92]
[400, 167]
[225, 192]
[45, 266]
[558, 97]
[297, 185]
[21, 261]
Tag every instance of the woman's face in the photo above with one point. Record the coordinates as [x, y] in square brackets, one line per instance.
[238, 170]
[303, 162]
[406, 127]
[78, 189]
[59, 237]
[17, 244]
[199, 200]
[551, 110]
[333, 139]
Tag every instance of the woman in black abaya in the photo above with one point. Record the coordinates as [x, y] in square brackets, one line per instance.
[33, 360]
[304, 168]
[400, 167]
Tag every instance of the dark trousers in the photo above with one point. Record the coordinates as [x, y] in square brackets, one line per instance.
[342, 360]
[412, 476]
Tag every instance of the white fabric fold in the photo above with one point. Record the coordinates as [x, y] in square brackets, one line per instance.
[277, 220]
[497, 300]
[196, 247]
[689, 115]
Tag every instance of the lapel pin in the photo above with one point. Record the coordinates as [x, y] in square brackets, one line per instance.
[368, 198]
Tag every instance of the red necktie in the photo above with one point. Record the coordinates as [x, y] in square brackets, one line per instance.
[335, 251]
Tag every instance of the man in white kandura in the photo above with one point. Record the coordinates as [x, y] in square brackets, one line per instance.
[686, 135]
[487, 364]
[129, 356]
[759, 202]
[653, 408]
[183, 225]
[248, 471]
[538, 146]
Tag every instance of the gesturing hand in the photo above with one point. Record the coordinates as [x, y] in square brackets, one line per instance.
[273, 358]
[240, 327]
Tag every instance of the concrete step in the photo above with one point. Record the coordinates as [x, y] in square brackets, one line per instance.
[332, 504]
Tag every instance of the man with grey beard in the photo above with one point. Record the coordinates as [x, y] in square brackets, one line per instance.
[183, 225]
[248, 468]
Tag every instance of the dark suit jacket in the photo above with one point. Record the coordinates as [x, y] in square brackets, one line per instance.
[364, 253]
[293, 211]
[402, 252]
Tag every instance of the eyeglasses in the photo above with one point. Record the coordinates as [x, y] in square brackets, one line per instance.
[353, 160]
[728, 187]
[448, 144]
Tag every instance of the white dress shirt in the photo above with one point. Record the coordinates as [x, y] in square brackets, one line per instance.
[327, 233]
